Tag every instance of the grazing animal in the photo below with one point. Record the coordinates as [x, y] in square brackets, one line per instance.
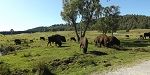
[73, 38]
[84, 44]
[127, 36]
[113, 41]
[17, 41]
[31, 41]
[62, 38]
[101, 40]
[42, 38]
[54, 39]
[146, 35]
[141, 37]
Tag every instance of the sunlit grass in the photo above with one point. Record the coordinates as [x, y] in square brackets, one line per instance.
[108, 58]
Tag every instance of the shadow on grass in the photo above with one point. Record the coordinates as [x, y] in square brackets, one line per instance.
[64, 46]
[97, 53]
[135, 43]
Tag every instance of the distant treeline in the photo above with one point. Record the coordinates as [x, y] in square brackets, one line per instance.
[126, 22]
[15, 32]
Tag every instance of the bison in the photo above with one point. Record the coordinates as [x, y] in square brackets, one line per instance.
[73, 38]
[146, 35]
[113, 41]
[54, 39]
[17, 41]
[42, 38]
[84, 44]
[62, 38]
[127, 36]
[101, 40]
[31, 41]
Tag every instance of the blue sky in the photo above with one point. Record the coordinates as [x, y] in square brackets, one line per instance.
[25, 14]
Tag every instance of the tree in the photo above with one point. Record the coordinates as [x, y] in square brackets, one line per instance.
[102, 25]
[69, 13]
[109, 20]
[85, 10]
[11, 31]
[112, 13]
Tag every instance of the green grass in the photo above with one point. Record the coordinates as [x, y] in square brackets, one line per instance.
[69, 60]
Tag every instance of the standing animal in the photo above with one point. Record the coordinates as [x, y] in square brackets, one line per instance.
[31, 41]
[17, 41]
[73, 38]
[42, 38]
[113, 41]
[54, 39]
[127, 36]
[102, 39]
[141, 37]
[62, 38]
[84, 44]
[147, 35]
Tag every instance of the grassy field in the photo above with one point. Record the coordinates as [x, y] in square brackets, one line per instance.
[38, 58]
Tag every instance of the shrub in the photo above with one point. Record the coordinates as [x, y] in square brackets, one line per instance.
[4, 69]
[42, 69]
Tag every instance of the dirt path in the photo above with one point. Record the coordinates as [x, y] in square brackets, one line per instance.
[138, 69]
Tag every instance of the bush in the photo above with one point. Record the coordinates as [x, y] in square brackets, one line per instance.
[20, 72]
[4, 69]
[27, 54]
[7, 49]
[41, 69]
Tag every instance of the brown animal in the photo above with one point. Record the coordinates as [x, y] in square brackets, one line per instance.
[113, 41]
[101, 40]
[84, 44]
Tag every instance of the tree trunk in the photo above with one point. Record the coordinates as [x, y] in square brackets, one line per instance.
[87, 24]
[78, 38]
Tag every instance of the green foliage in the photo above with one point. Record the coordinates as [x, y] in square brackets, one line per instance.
[109, 21]
[4, 69]
[87, 9]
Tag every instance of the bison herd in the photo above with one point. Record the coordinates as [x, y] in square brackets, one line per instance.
[107, 41]
[101, 40]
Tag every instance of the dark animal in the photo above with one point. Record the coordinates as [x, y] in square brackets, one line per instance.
[141, 37]
[127, 36]
[54, 39]
[62, 38]
[17, 41]
[146, 35]
[84, 44]
[73, 38]
[42, 38]
[31, 41]
[101, 40]
[113, 41]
